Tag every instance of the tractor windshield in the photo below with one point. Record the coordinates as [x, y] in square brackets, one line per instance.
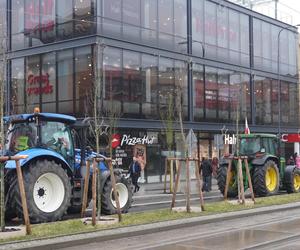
[21, 136]
[249, 146]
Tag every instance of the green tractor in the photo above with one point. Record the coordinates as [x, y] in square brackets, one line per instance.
[268, 168]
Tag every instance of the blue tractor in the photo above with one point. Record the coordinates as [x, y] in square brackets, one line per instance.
[54, 170]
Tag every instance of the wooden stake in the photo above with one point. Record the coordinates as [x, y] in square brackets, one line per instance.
[171, 176]
[188, 186]
[241, 180]
[176, 185]
[199, 184]
[23, 198]
[166, 172]
[249, 179]
[94, 191]
[85, 189]
[228, 178]
[113, 182]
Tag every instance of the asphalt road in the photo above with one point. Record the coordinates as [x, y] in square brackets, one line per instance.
[275, 230]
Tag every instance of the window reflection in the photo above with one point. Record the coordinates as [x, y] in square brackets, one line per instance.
[17, 86]
[65, 81]
[83, 81]
[198, 83]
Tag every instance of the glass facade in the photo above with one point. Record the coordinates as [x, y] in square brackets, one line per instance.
[37, 22]
[223, 61]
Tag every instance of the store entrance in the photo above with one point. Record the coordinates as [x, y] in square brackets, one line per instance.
[154, 167]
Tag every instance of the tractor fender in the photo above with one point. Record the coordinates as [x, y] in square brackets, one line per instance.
[262, 161]
[36, 153]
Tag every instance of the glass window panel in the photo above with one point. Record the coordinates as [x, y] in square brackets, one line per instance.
[211, 93]
[223, 95]
[17, 28]
[223, 33]
[112, 14]
[149, 21]
[266, 48]
[33, 82]
[47, 20]
[166, 80]
[180, 25]
[83, 80]
[133, 91]
[64, 19]
[245, 39]
[198, 83]
[198, 26]
[166, 23]
[234, 35]
[83, 14]
[181, 82]
[17, 86]
[240, 97]
[112, 75]
[257, 42]
[48, 83]
[131, 19]
[149, 76]
[65, 81]
[32, 29]
[210, 16]
[274, 47]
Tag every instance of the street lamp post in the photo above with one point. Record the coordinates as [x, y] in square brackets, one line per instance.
[278, 75]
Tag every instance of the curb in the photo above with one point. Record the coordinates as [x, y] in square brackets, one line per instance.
[111, 234]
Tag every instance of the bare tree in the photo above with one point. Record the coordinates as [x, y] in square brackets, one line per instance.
[3, 67]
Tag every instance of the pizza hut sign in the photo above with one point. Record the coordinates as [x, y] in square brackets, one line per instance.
[131, 140]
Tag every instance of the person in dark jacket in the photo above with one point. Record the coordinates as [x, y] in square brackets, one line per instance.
[206, 174]
[135, 173]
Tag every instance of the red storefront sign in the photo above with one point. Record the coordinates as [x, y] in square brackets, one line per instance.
[34, 85]
[290, 137]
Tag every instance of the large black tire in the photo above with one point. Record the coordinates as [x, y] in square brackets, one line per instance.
[10, 208]
[221, 178]
[292, 179]
[124, 190]
[266, 179]
[48, 192]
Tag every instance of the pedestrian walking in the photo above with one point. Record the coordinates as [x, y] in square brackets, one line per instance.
[135, 173]
[206, 174]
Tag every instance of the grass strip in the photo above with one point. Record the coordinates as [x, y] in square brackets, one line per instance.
[74, 226]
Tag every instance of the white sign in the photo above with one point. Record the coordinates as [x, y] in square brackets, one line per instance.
[229, 139]
[131, 141]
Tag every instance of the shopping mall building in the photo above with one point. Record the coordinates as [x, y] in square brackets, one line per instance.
[224, 56]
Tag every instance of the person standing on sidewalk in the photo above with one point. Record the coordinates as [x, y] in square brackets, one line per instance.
[135, 173]
[206, 174]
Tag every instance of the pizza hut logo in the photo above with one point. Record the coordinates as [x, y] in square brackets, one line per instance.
[116, 140]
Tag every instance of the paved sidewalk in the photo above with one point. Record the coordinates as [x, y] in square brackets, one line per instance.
[148, 189]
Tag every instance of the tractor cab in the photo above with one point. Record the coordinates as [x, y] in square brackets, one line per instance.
[41, 130]
[258, 145]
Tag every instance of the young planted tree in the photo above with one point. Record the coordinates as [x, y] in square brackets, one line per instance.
[3, 66]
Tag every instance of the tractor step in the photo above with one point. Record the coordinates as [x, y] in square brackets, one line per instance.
[77, 192]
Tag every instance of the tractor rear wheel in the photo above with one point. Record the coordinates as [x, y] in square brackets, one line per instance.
[221, 178]
[48, 192]
[292, 180]
[108, 203]
[266, 179]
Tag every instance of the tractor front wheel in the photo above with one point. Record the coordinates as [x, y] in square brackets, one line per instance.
[266, 179]
[221, 178]
[124, 193]
[48, 192]
[292, 179]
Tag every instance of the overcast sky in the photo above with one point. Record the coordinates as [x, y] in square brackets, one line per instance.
[288, 10]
